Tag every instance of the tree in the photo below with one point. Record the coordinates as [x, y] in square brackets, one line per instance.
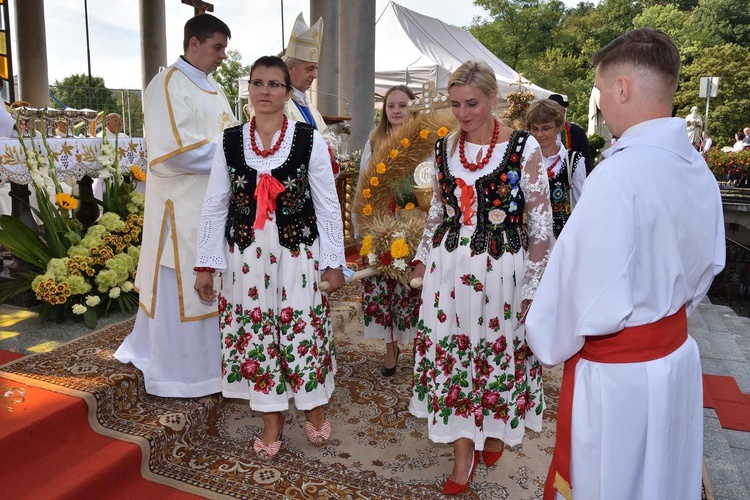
[228, 73]
[519, 29]
[73, 91]
[730, 109]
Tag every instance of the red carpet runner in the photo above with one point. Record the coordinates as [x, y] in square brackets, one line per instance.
[732, 406]
[48, 450]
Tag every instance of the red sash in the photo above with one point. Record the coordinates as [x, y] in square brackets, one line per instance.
[636, 344]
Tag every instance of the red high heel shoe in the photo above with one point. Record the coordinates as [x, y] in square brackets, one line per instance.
[267, 452]
[452, 488]
[491, 457]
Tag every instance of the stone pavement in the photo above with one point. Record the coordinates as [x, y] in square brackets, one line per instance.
[722, 336]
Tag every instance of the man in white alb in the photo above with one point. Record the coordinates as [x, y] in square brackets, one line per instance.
[175, 341]
[633, 261]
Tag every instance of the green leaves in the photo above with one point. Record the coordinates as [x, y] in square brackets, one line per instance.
[23, 242]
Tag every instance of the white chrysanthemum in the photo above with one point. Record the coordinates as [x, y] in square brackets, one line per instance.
[79, 309]
[114, 292]
[92, 300]
[399, 264]
[127, 286]
[372, 258]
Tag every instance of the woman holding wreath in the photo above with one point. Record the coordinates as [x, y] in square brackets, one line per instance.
[270, 222]
[482, 255]
[390, 309]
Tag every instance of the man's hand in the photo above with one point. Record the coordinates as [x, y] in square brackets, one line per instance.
[204, 285]
[334, 277]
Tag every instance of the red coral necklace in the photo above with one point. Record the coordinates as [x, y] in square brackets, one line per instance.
[473, 167]
[265, 153]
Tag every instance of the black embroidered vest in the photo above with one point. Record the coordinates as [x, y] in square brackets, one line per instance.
[295, 214]
[559, 193]
[500, 204]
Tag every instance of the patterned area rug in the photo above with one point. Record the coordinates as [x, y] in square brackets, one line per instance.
[204, 446]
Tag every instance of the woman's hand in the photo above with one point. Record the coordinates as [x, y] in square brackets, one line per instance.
[334, 277]
[204, 285]
[525, 304]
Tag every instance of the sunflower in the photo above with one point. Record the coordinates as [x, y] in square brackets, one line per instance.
[139, 174]
[66, 201]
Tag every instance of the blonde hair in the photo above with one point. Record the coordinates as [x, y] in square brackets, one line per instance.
[477, 74]
[384, 127]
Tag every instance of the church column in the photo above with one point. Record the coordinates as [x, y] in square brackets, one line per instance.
[33, 79]
[153, 38]
[328, 66]
[357, 63]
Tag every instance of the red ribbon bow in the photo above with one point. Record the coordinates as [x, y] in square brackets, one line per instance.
[467, 198]
[265, 194]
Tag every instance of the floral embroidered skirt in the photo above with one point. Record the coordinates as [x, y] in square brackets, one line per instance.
[474, 375]
[277, 338]
[390, 309]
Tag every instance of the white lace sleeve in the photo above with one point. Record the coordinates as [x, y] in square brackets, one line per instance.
[366, 155]
[535, 187]
[211, 242]
[327, 208]
[434, 218]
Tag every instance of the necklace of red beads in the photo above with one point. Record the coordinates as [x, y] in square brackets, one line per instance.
[473, 167]
[265, 153]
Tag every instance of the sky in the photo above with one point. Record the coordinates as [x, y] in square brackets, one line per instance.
[114, 36]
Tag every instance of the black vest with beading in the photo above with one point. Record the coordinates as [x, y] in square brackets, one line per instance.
[559, 193]
[500, 204]
[295, 213]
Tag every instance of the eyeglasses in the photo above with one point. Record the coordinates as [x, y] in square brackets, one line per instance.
[544, 130]
[272, 86]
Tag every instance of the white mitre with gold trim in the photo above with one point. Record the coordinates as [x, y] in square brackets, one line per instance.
[304, 43]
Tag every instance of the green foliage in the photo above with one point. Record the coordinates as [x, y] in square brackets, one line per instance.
[74, 92]
[729, 110]
[227, 74]
[553, 46]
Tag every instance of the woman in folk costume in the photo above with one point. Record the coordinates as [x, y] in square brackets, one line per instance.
[566, 170]
[490, 224]
[271, 223]
[390, 309]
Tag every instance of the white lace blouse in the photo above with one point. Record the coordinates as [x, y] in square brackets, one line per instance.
[535, 187]
[212, 245]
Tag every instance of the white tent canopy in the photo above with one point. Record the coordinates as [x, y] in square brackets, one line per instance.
[411, 48]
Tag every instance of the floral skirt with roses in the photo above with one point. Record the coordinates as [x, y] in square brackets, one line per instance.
[277, 339]
[474, 375]
[390, 309]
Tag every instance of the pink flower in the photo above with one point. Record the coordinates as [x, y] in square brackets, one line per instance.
[300, 326]
[249, 368]
[222, 304]
[499, 346]
[521, 402]
[463, 342]
[372, 309]
[463, 408]
[489, 399]
[452, 397]
[501, 412]
[256, 316]
[264, 383]
[302, 349]
[287, 314]
[441, 316]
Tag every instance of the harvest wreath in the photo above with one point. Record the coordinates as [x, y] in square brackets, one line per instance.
[392, 233]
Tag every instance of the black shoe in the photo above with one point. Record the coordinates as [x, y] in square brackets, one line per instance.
[389, 372]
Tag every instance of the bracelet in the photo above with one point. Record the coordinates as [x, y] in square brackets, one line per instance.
[199, 269]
